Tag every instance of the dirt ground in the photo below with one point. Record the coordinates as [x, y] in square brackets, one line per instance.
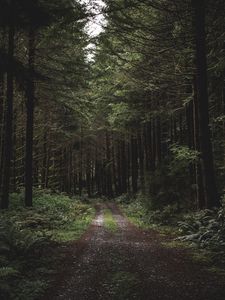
[130, 264]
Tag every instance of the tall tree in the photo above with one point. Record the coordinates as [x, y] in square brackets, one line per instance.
[9, 110]
[211, 194]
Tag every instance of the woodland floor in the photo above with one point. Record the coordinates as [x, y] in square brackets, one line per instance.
[130, 263]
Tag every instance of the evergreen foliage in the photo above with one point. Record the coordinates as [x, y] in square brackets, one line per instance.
[141, 118]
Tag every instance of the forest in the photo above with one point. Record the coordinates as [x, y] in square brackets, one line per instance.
[112, 149]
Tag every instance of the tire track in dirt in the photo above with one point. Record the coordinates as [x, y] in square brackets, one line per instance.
[132, 264]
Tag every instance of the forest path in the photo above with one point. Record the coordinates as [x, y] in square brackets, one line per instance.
[129, 263]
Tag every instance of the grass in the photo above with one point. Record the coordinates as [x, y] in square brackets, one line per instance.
[30, 237]
[176, 244]
[139, 216]
[109, 221]
[202, 257]
[72, 231]
[135, 214]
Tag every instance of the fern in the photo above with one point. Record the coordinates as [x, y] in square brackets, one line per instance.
[15, 242]
[206, 229]
[6, 272]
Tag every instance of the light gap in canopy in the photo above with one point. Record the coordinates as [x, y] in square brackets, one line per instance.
[95, 23]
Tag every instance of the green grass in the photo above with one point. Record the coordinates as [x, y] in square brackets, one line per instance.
[144, 219]
[135, 213]
[176, 244]
[30, 237]
[138, 215]
[72, 231]
[201, 257]
[109, 221]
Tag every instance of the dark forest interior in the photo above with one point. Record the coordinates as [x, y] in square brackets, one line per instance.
[112, 132]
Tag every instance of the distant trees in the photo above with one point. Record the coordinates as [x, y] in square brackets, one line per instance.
[154, 92]
[146, 115]
[31, 83]
[7, 148]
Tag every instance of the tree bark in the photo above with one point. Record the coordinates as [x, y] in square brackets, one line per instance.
[123, 166]
[211, 195]
[134, 164]
[30, 122]
[200, 197]
[8, 121]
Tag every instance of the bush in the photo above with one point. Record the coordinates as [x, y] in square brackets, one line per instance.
[28, 237]
[170, 183]
[139, 210]
[206, 229]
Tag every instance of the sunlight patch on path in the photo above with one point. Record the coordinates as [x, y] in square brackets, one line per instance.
[99, 220]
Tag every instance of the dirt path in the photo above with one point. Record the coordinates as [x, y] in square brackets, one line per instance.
[132, 264]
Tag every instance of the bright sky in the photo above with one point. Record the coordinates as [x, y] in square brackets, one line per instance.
[94, 27]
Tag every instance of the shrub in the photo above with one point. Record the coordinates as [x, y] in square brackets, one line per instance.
[206, 229]
[170, 183]
[28, 237]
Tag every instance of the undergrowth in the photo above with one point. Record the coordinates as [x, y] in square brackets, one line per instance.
[140, 213]
[206, 230]
[203, 231]
[29, 238]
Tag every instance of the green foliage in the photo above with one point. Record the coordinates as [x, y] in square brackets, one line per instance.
[125, 199]
[15, 242]
[136, 213]
[122, 116]
[109, 221]
[6, 272]
[28, 237]
[6, 275]
[167, 216]
[182, 157]
[170, 183]
[29, 289]
[139, 213]
[206, 230]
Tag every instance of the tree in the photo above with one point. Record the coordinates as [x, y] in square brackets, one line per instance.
[9, 109]
[211, 195]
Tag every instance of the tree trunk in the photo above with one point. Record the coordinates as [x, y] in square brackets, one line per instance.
[198, 167]
[211, 195]
[8, 121]
[134, 164]
[108, 166]
[2, 129]
[80, 185]
[119, 167]
[141, 160]
[30, 122]
[123, 166]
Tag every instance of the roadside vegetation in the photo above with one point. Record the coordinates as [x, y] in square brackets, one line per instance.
[203, 231]
[137, 111]
[31, 239]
